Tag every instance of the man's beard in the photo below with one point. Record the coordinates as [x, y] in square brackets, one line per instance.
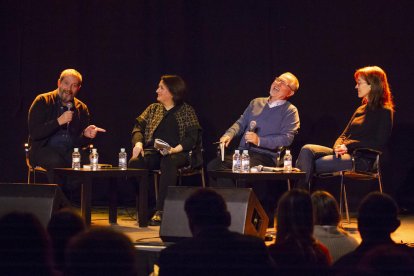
[65, 94]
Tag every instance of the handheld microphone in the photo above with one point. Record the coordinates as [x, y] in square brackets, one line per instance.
[68, 106]
[262, 168]
[252, 126]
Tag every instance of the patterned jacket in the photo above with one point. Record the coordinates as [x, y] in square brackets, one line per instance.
[148, 121]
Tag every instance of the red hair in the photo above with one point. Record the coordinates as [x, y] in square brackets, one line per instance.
[380, 95]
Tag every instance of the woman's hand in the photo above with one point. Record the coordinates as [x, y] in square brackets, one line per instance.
[176, 149]
[340, 150]
[137, 150]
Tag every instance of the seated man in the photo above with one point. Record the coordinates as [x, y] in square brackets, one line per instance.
[267, 124]
[213, 249]
[59, 122]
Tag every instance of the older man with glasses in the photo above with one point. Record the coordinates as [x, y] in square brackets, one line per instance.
[267, 124]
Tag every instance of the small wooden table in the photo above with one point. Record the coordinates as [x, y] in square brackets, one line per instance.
[251, 176]
[86, 176]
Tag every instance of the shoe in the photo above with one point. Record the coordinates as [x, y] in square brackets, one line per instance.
[156, 219]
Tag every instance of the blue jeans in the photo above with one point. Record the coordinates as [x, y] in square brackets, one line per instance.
[319, 159]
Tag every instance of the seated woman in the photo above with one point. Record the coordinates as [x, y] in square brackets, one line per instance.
[172, 121]
[369, 127]
[296, 252]
[326, 218]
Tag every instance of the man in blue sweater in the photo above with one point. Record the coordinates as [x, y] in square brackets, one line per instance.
[267, 124]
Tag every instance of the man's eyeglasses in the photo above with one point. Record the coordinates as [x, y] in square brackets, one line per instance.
[283, 82]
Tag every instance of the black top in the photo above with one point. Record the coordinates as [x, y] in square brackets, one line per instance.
[368, 128]
[167, 130]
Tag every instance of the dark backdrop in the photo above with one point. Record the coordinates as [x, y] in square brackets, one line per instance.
[228, 52]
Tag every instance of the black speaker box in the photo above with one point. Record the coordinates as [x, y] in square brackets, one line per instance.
[247, 214]
[41, 200]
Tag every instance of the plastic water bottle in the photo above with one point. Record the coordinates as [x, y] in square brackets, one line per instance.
[93, 158]
[245, 162]
[287, 162]
[236, 161]
[76, 159]
[122, 159]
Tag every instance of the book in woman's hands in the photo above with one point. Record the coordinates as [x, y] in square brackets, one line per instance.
[161, 145]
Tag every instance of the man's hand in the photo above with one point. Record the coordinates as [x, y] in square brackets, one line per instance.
[65, 118]
[137, 150]
[252, 138]
[225, 140]
[92, 130]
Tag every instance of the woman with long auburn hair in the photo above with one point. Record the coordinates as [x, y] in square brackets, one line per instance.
[370, 127]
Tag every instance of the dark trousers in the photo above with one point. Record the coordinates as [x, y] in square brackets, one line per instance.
[50, 158]
[168, 165]
[319, 159]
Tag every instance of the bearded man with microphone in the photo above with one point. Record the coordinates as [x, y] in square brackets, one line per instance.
[267, 124]
[59, 122]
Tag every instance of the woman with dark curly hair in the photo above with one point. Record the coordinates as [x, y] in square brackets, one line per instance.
[173, 121]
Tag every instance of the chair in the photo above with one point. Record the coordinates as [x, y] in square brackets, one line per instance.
[365, 166]
[195, 167]
[32, 170]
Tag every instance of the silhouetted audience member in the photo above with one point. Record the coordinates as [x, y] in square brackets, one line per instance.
[213, 249]
[63, 225]
[24, 246]
[100, 251]
[377, 219]
[296, 252]
[326, 219]
[386, 260]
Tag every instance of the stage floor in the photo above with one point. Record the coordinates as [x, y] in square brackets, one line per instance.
[128, 225]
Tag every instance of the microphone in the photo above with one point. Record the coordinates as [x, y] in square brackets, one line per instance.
[262, 168]
[252, 126]
[68, 106]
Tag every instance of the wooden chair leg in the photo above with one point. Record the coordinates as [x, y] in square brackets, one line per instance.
[180, 179]
[156, 185]
[203, 179]
[343, 199]
[380, 182]
[346, 205]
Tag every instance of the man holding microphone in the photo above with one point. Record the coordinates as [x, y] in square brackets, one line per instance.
[59, 122]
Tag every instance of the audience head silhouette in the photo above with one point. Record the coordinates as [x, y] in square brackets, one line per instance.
[377, 216]
[100, 251]
[325, 209]
[206, 208]
[294, 216]
[63, 225]
[24, 245]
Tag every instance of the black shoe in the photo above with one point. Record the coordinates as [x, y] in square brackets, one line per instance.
[156, 219]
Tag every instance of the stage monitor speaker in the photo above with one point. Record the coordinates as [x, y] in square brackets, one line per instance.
[247, 214]
[41, 200]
